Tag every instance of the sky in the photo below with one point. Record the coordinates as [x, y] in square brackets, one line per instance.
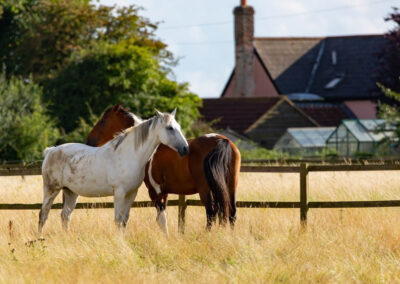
[200, 33]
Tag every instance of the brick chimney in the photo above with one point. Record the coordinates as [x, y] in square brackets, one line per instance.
[244, 58]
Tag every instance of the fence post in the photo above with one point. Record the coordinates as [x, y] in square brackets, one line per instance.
[303, 193]
[181, 213]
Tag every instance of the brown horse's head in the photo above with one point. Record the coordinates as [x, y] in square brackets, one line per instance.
[114, 120]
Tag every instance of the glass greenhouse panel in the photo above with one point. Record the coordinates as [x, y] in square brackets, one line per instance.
[353, 148]
[372, 124]
[342, 149]
[367, 147]
[284, 141]
[357, 130]
[325, 133]
[377, 136]
[302, 138]
[311, 137]
[341, 132]
[317, 139]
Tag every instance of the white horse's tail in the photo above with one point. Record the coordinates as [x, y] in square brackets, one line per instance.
[45, 154]
[47, 150]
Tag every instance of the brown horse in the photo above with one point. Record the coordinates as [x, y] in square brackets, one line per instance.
[101, 133]
[211, 169]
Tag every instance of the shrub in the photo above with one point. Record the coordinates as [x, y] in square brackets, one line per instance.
[25, 129]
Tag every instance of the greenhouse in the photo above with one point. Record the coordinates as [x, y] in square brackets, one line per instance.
[304, 141]
[354, 136]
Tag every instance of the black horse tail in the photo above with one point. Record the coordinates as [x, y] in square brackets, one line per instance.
[216, 168]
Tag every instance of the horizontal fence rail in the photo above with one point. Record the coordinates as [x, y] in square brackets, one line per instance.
[353, 204]
[82, 205]
[313, 160]
[338, 160]
[20, 172]
[304, 205]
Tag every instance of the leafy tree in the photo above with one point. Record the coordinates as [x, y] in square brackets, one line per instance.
[91, 56]
[391, 113]
[389, 69]
[80, 133]
[25, 129]
[41, 35]
[116, 73]
[10, 28]
[389, 84]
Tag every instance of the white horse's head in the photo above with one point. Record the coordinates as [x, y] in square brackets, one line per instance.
[169, 132]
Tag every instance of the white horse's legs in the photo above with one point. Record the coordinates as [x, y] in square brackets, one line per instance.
[48, 199]
[122, 205]
[70, 199]
[162, 220]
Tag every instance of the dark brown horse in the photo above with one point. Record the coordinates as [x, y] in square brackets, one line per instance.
[211, 169]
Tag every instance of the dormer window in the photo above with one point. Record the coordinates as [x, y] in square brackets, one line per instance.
[334, 82]
[334, 57]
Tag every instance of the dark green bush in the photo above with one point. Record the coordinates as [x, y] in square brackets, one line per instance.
[25, 129]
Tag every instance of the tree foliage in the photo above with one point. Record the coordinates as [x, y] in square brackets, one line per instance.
[41, 35]
[87, 57]
[389, 71]
[392, 115]
[116, 73]
[389, 82]
[25, 129]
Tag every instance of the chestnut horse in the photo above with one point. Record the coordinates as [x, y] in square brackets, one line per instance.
[101, 133]
[211, 169]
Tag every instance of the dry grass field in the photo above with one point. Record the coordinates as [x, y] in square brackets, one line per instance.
[267, 245]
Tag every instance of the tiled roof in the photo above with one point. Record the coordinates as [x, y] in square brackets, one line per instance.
[288, 60]
[291, 62]
[236, 113]
[326, 114]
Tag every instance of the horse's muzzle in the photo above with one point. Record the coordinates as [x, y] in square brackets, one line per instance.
[183, 151]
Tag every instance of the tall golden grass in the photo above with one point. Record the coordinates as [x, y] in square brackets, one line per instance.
[267, 245]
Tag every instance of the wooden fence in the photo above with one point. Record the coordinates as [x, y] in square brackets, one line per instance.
[311, 160]
[303, 204]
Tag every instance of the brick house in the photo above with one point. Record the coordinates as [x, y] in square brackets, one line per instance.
[327, 78]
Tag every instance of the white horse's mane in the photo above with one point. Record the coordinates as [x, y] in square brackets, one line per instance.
[141, 132]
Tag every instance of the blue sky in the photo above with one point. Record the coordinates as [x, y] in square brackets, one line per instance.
[200, 33]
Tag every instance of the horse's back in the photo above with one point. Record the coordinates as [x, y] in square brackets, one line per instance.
[182, 175]
[201, 146]
[62, 153]
[69, 164]
[58, 157]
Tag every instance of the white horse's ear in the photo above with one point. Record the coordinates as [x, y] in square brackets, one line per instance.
[159, 114]
[136, 119]
[173, 112]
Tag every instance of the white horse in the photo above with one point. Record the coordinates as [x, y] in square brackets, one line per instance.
[117, 168]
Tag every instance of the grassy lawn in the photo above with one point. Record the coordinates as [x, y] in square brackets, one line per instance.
[267, 245]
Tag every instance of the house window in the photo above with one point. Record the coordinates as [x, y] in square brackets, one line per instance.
[334, 82]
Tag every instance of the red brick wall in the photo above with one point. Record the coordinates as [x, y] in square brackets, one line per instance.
[263, 87]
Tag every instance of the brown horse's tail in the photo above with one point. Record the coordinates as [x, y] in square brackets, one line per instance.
[216, 168]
